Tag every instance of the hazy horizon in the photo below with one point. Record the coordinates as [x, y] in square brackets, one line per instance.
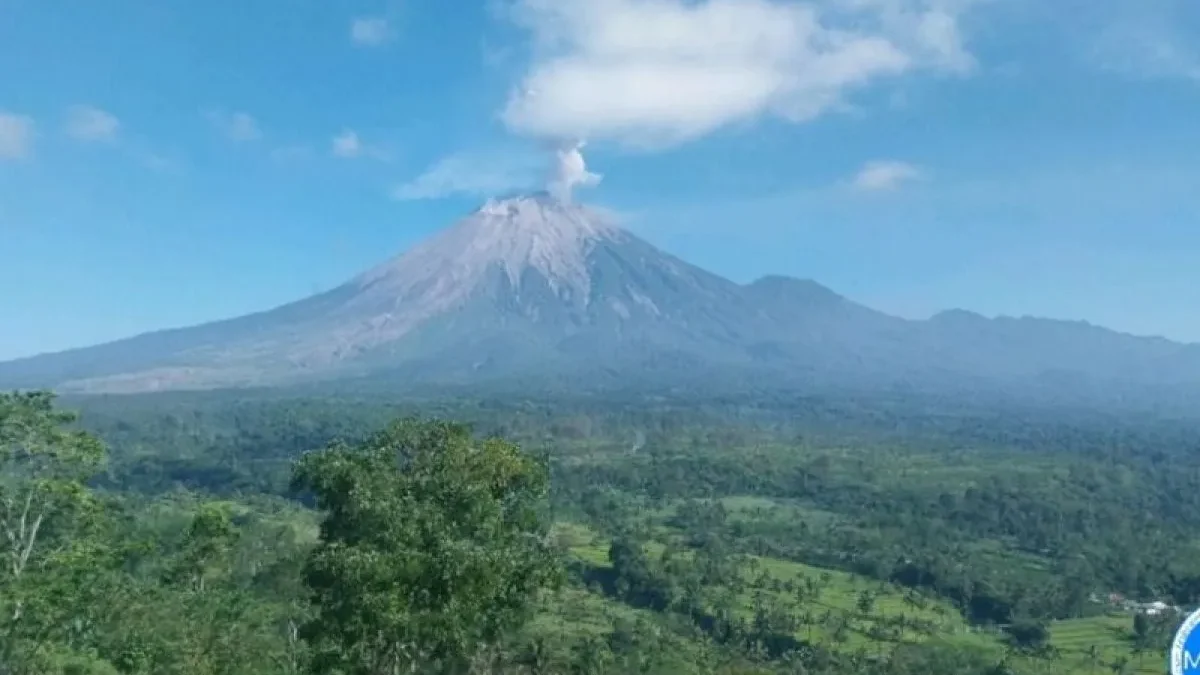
[917, 316]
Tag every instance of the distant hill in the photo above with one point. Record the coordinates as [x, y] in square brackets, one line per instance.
[535, 290]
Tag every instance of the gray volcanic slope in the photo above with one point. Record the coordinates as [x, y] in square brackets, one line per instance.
[533, 287]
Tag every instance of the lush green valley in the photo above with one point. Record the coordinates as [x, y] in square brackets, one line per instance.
[634, 535]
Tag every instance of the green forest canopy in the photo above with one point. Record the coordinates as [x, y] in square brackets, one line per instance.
[322, 535]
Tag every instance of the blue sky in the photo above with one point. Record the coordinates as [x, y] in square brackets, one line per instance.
[164, 164]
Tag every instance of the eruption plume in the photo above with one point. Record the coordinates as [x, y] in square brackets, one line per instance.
[570, 170]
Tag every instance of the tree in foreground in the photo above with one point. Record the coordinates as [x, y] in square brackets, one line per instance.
[47, 515]
[431, 551]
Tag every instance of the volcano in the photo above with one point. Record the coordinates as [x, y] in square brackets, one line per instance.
[535, 288]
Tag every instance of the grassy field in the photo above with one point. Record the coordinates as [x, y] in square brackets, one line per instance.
[1110, 635]
[876, 631]
[576, 612]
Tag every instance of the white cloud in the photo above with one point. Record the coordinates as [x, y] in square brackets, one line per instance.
[661, 72]
[1148, 40]
[881, 175]
[370, 31]
[238, 126]
[89, 123]
[349, 145]
[478, 174]
[570, 171]
[289, 154]
[927, 30]
[16, 135]
[157, 162]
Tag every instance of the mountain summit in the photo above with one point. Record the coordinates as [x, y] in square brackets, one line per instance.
[535, 234]
[538, 288]
[516, 285]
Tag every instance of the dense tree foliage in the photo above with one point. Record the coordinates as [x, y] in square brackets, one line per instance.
[431, 550]
[46, 516]
[696, 536]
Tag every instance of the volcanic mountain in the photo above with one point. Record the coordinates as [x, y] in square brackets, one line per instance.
[535, 288]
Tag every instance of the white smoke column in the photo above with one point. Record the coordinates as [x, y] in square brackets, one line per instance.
[570, 170]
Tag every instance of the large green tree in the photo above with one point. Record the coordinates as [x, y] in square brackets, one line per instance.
[433, 548]
[50, 558]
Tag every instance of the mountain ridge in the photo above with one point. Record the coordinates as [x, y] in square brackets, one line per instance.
[532, 286]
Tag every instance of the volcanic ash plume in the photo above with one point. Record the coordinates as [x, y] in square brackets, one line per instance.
[570, 170]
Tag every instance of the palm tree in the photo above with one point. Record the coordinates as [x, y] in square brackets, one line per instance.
[1093, 655]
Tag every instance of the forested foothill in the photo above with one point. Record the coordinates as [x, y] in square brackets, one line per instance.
[230, 533]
